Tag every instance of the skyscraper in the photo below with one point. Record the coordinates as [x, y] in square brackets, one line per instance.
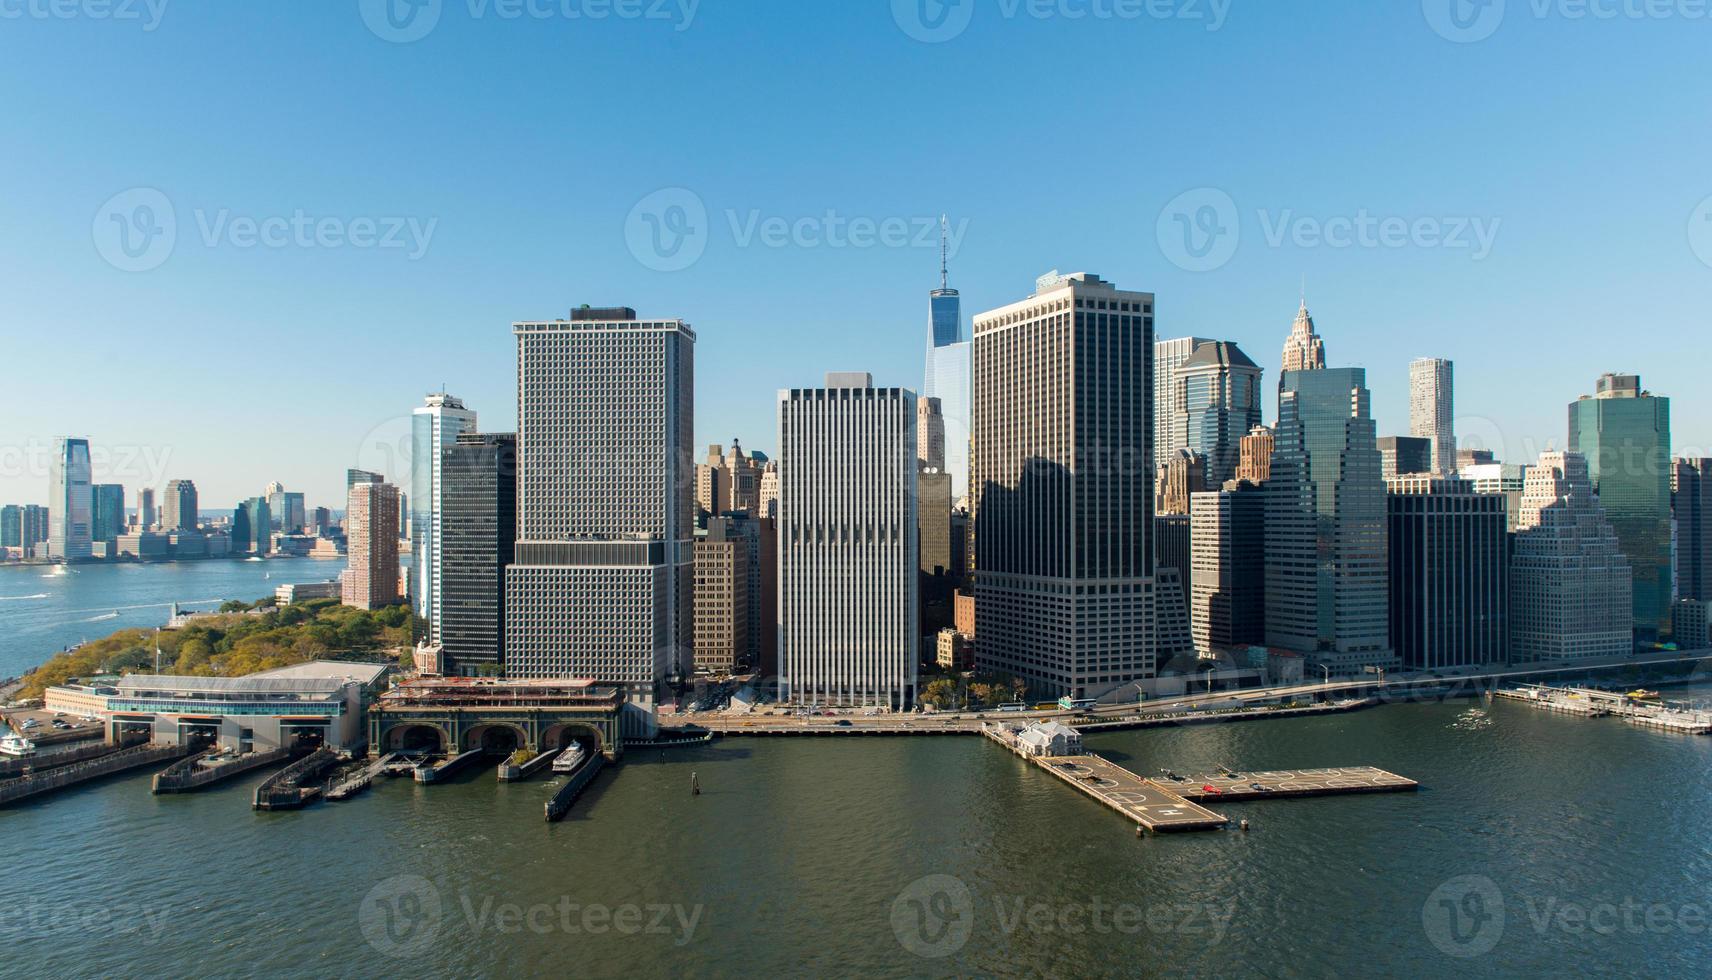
[1255, 464]
[434, 427]
[1450, 573]
[478, 538]
[1216, 402]
[371, 546]
[948, 373]
[1227, 578]
[1303, 350]
[930, 433]
[1569, 582]
[1168, 426]
[1624, 434]
[179, 506]
[258, 525]
[1691, 497]
[1404, 455]
[1432, 410]
[1062, 495]
[107, 512]
[602, 587]
[1184, 474]
[11, 526]
[1326, 590]
[145, 509]
[848, 568]
[721, 597]
[70, 507]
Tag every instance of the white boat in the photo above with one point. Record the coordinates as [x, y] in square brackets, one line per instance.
[17, 745]
[570, 759]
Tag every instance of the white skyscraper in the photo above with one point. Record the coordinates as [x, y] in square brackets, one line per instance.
[601, 587]
[848, 578]
[1432, 409]
[1570, 586]
[1168, 434]
[433, 428]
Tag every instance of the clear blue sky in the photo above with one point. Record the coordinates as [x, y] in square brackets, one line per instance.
[528, 141]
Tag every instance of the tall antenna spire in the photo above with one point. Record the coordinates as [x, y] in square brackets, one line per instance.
[1304, 290]
[944, 270]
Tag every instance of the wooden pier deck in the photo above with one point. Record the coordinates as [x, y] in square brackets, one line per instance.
[1149, 805]
[1281, 784]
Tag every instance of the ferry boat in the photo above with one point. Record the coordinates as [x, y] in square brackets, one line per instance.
[570, 759]
[17, 745]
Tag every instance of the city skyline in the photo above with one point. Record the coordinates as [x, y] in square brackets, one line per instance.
[499, 246]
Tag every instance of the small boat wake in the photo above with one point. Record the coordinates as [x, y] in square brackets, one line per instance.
[24, 598]
[103, 616]
[1472, 720]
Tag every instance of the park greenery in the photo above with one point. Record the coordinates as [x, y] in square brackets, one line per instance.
[241, 638]
[977, 690]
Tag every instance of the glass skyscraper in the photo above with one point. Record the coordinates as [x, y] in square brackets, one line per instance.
[948, 377]
[71, 509]
[1217, 402]
[1624, 432]
[1327, 593]
[434, 428]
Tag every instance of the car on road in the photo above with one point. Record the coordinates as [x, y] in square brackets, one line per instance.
[842, 721]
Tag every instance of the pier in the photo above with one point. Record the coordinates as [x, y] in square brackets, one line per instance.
[1142, 801]
[510, 772]
[1283, 784]
[1650, 712]
[197, 771]
[1173, 802]
[61, 777]
[451, 767]
[363, 779]
[567, 794]
[295, 786]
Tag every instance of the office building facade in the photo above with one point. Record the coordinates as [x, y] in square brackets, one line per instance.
[478, 539]
[1168, 356]
[371, 546]
[1227, 567]
[1450, 573]
[603, 584]
[1326, 568]
[1432, 411]
[179, 506]
[1623, 431]
[70, 505]
[1404, 456]
[849, 572]
[1569, 580]
[434, 427]
[107, 513]
[1062, 489]
[947, 377]
[1691, 504]
[1216, 402]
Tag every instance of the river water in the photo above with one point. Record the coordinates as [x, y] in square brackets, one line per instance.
[1537, 843]
[42, 614]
